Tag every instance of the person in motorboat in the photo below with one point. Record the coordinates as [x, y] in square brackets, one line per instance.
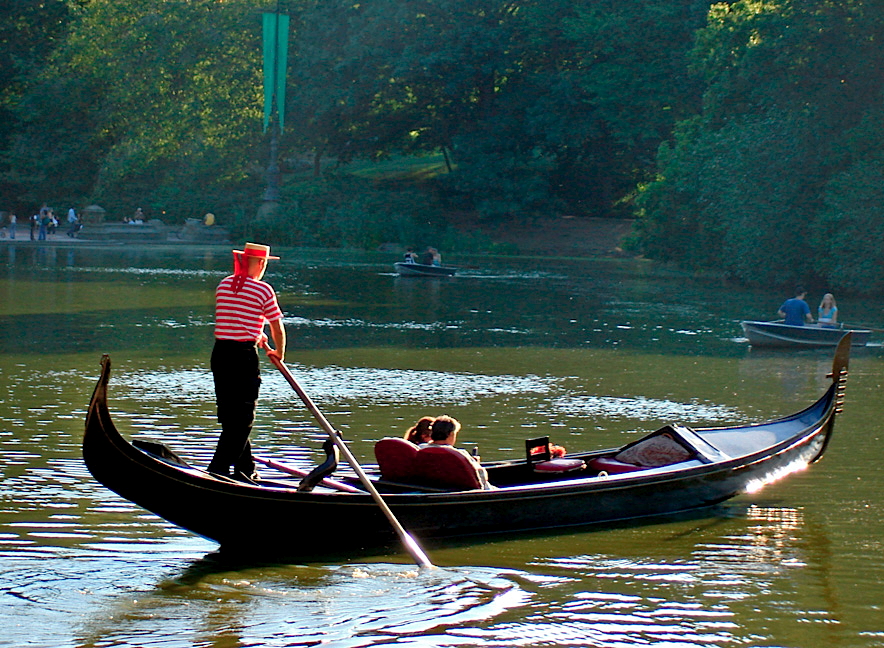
[827, 313]
[419, 433]
[443, 432]
[795, 310]
[244, 304]
[410, 255]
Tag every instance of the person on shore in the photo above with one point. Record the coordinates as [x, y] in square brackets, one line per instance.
[244, 304]
[34, 221]
[13, 219]
[138, 218]
[73, 222]
[827, 313]
[420, 432]
[43, 223]
[795, 310]
[444, 431]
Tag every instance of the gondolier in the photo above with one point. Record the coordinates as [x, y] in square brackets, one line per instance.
[244, 304]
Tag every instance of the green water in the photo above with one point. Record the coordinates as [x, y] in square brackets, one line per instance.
[590, 352]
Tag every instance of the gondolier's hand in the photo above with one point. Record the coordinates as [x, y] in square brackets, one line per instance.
[273, 353]
[262, 342]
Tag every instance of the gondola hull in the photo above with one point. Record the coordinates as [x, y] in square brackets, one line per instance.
[278, 521]
[423, 270]
[777, 334]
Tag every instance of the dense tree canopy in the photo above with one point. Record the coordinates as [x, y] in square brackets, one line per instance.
[746, 135]
[774, 181]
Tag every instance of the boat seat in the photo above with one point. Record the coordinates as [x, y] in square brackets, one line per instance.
[655, 451]
[611, 466]
[445, 467]
[395, 458]
[539, 455]
[661, 449]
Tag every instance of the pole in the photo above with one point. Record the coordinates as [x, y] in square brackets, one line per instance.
[407, 540]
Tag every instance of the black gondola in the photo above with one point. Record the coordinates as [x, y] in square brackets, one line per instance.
[274, 518]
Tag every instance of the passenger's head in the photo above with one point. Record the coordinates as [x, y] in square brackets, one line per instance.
[800, 292]
[420, 431]
[828, 301]
[445, 429]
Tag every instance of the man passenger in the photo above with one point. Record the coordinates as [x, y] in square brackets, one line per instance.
[796, 311]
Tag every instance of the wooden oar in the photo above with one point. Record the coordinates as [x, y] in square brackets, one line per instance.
[408, 541]
[863, 326]
[297, 472]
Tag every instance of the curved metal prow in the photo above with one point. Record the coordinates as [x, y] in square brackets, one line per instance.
[323, 470]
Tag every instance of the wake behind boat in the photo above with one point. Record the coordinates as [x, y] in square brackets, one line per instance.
[423, 270]
[777, 334]
[671, 470]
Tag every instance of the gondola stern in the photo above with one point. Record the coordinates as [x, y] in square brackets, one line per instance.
[100, 433]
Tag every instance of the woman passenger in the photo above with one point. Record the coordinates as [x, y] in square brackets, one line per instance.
[827, 315]
[420, 432]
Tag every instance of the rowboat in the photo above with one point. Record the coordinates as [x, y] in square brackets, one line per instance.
[671, 470]
[777, 334]
[423, 270]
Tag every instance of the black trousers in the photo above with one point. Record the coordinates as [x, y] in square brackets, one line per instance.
[237, 381]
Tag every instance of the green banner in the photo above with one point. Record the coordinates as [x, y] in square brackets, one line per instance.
[276, 47]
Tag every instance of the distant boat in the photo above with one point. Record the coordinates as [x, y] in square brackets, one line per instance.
[777, 334]
[423, 270]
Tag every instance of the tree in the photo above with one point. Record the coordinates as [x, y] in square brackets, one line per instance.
[747, 182]
[30, 30]
[159, 101]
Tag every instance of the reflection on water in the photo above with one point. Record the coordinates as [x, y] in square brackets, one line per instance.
[353, 605]
[591, 353]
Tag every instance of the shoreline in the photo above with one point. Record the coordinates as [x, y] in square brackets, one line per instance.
[568, 237]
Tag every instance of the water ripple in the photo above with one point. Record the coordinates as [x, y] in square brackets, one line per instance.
[341, 384]
[643, 409]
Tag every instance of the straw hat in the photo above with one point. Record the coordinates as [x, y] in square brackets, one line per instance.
[256, 250]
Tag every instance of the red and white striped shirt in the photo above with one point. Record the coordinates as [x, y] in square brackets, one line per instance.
[241, 316]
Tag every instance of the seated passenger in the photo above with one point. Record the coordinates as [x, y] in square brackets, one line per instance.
[444, 432]
[410, 256]
[795, 311]
[828, 312]
[420, 432]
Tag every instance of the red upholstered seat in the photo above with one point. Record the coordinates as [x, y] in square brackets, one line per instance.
[559, 465]
[395, 458]
[445, 467]
[611, 466]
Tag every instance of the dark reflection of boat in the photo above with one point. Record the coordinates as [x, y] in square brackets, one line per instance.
[711, 465]
[423, 270]
[777, 334]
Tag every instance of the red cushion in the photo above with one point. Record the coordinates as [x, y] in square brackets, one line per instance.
[395, 458]
[611, 466]
[445, 467]
[559, 465]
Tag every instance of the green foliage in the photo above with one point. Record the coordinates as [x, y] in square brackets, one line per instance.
[771, 184]
[340, 210]
[849, 230]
